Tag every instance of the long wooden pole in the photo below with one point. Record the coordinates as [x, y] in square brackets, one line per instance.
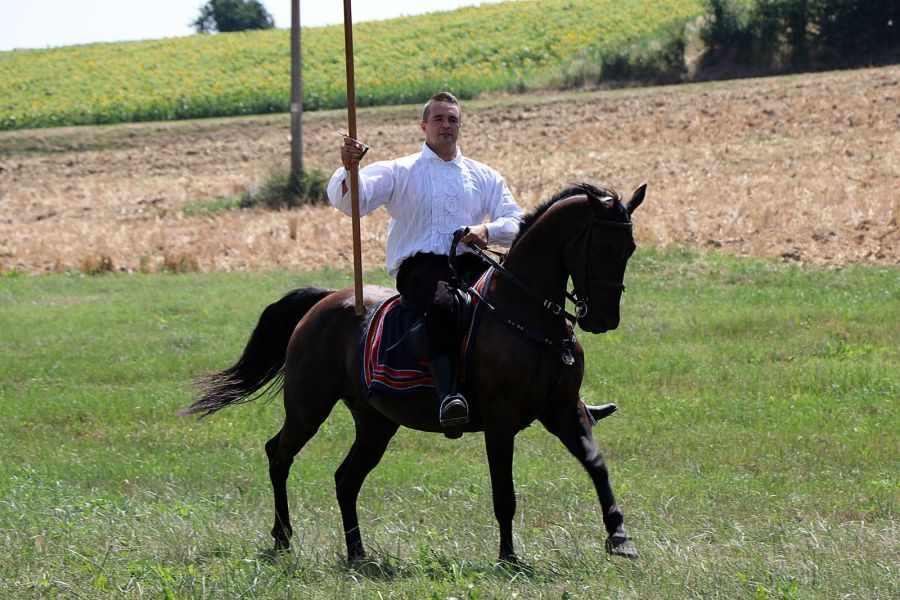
[296, 93]
[354, 170]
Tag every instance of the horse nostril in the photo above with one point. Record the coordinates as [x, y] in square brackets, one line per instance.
[598, 325]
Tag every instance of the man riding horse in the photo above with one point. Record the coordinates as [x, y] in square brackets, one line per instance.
[528, 365]
[430, 195]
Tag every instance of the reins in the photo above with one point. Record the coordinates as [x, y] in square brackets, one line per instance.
[553, 307]
[566, 345]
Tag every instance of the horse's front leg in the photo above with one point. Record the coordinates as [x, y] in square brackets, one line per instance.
[574, 430]
[499, 446]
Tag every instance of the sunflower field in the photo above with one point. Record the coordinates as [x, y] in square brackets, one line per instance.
[507, 46]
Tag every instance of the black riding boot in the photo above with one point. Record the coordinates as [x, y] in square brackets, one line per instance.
[454, 408]
[595, 413]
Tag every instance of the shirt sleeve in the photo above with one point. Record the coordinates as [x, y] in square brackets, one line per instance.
[504, 214]
[376, 188]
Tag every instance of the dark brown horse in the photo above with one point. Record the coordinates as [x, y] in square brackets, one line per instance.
[528, 364]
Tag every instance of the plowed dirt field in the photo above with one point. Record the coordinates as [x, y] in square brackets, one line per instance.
[803, 169]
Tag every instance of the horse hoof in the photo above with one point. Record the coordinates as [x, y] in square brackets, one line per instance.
[620, 544]
[512, 562]
[282, 545]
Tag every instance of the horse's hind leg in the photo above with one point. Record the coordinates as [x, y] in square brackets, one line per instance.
[573, 429]
[280, 460]
[373, 432]
[300, 424]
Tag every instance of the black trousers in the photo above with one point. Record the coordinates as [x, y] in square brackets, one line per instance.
[423, 282]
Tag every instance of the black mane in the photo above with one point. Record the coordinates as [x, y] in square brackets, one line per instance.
[575, 190]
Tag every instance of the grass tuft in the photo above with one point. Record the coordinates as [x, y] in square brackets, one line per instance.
[97, 265]
[179, 263]
[281, 189]
[210, 206]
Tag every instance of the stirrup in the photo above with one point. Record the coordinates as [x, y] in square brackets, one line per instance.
[454, 411]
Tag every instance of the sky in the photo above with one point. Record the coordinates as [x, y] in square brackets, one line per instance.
[50, 23]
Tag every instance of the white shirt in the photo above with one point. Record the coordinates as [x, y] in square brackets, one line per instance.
[428, 199]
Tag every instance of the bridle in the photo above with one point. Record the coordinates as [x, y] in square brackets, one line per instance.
[579, 250]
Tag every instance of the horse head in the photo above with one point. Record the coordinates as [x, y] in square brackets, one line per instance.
[597, 257]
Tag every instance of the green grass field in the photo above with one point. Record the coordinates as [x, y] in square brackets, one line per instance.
[755, 451]
[494, 47]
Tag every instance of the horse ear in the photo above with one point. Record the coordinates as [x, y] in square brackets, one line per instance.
[636, 198]
[600, 199]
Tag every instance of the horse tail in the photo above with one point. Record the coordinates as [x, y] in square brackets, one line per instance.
[260, 370]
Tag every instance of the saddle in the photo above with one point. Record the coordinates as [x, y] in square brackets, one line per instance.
[393, 347]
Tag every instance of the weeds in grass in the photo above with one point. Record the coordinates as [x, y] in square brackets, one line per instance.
[97, 265]
[210, 206]
[282, 189]
[179, 263]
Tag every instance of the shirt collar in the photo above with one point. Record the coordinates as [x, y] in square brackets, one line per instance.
[429, 154]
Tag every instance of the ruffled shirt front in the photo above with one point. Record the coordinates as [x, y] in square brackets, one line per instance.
[428, 199]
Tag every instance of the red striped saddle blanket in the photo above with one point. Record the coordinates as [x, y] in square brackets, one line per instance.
[389, 361]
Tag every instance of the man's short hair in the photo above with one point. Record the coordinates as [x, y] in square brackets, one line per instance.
[439, 97]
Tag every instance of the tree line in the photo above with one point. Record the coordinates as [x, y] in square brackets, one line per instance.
[776, 35]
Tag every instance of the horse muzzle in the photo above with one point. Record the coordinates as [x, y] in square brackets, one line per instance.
[599, 323]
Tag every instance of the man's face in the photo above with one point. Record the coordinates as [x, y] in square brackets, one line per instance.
[442, 128]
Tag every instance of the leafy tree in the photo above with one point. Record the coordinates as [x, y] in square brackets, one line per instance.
[232, 15]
